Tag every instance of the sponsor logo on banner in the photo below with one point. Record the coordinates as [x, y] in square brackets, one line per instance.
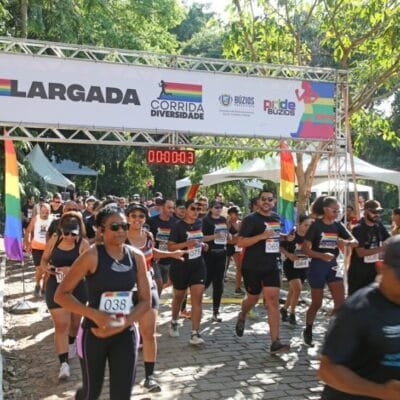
[178, 100]
[282, 107]
[73, 92]
[238, 105]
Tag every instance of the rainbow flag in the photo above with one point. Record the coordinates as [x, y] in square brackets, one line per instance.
[5, 87]
[286, 189]
[181, 92]
[188, 192]
[13, 227]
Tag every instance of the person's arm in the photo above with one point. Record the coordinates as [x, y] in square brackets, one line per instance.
[177, 254]
[308, 251]
[84, 265]
[250, 241]
[44, 262]
[344, 379]
[346, 238]
[28, 235]
[292, 257]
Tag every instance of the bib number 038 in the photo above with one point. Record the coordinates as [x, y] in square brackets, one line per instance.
[116, 302]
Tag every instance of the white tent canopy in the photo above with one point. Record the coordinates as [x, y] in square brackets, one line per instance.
[329, 187]
[42, 166]
[69, 167]
[269, 168]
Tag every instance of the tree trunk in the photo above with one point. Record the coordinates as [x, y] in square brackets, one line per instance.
[24, 18]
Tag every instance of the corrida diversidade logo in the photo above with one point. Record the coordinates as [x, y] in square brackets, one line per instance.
[178, 100]
[75, 92]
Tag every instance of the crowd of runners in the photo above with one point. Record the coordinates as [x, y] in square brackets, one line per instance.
[102, 266]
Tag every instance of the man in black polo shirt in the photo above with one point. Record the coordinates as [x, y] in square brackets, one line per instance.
[361, 354]
[370, 234]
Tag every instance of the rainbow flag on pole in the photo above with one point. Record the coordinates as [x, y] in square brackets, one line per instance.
[286, 189]
[13, 227]
[188, 192]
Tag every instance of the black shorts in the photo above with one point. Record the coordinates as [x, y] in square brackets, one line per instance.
[161, 272]
[37, 256]
[294, 273]
[80, 292]
[255, 279]
[184, 274]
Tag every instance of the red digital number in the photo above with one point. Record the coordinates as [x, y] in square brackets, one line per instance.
[171, 157]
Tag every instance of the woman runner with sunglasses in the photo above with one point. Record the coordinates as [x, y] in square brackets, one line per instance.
[190, 273]
[62, 249]
[143, 240]
[112, 269]
[321, 244]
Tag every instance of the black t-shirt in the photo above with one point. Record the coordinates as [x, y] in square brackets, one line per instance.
[256, 256]
[364, 336]
[27, 211]
[324, 237]
[56, 213]
[294, 247]
[181, 232]
[161, 231]
[216, 226]
[368, 237]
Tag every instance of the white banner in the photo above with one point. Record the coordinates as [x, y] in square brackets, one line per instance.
[74, 93]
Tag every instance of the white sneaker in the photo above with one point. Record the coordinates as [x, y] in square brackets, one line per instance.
[64, 371]
[71, 351]
[174, 329]
[196, 339]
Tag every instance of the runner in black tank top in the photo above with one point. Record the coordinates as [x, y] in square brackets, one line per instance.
[112, 270]
[60, 252]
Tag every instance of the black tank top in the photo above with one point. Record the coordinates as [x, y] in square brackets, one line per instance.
[64, 258]
[110, 276]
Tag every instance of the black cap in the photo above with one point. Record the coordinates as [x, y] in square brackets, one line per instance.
[180, 203]
[392, 254]
[234, 209]
[373, 205]
[136, 206]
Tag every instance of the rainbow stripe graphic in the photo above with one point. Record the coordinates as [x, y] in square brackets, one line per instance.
[181, 92]
[13, 226]
[318, 119]
[116, 294]
[273, 226]
[195, 235]
[286, 188]
[188, 192]
[5, 87]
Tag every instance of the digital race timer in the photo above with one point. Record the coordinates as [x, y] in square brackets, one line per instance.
[170, 157]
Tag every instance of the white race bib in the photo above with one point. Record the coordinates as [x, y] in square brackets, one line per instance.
[163, 246]
[116, 302]
[195, 252]
[371, 259]
[301, 263]
[272, 246]
[339, 271]
[59, 276]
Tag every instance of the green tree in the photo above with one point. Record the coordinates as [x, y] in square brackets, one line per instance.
[358, 36]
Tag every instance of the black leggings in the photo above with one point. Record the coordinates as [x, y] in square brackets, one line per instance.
[121, 353]
[215, 264]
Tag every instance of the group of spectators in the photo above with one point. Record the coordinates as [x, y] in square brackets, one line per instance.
[109, 261]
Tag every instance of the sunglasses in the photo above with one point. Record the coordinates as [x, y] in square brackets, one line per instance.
[67, 233]
[218, 207]
[115, 226]
[138, 216]
[195, 208]
[57, 201]
[374, 212]
[334, 210]
[267, 199]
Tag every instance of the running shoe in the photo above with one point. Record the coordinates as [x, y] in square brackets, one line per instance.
[240, 326]
[284, 314]
[196, 339]
[174, 329]
[36, 292]
[71, 351]
[216, 318]
[152, 385]
[185, 314]
[239, 291]
[292, 319]
[307, 336]
[278, 347]
[64, 371]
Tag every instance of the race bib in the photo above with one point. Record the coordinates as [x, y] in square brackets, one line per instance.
[238, 249]
[163, 246]
[301, 263]
[59, 276]
[221, 232]
[195, 252]
[116, 302]
[339, 271]
[272, 246]
[371, 259]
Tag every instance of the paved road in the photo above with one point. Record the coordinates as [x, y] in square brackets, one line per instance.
[227, 367]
